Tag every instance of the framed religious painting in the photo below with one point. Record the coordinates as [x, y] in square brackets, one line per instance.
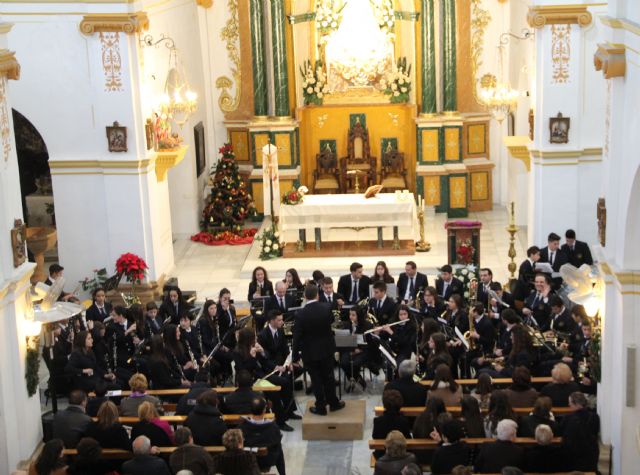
[117, 138]
[559, 129]
[18, 241]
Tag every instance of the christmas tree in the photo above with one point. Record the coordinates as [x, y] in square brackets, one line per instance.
[229, 203]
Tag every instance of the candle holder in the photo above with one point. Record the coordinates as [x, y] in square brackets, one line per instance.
[422, 245]
[512, 229]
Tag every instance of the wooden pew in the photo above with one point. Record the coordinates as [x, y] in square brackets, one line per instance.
[230, 419]
[415, 411]
[180, 391]
[429, 444]
[494, 381]
[125, 454]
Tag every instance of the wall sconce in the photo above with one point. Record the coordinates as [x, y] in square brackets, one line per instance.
[178, 101]
[32, 331]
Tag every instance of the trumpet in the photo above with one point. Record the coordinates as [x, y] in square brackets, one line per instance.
[399, 322]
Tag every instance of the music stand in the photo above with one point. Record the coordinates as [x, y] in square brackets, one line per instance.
[344, 341]
[258, 306]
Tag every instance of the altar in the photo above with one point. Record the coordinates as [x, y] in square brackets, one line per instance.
[393, 214]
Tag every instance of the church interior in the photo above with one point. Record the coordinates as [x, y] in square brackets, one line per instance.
[253, 156]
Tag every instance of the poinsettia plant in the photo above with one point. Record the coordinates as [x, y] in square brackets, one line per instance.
[465, 252]
[295, 197]
[133, 267]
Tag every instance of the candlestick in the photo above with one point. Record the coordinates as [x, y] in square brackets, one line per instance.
[422, 245]
[512, 229]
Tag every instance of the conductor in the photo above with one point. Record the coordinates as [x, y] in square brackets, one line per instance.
[313, 336]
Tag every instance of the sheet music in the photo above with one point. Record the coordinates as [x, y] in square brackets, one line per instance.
[387, 355]
[360, 339]
[461, 336]
[341, 332]
[544, 267]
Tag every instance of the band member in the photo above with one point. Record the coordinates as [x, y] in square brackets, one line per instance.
[328, 295]
[249, 355]
[381, 306]
[504, 343]
[536, 311]
[381, 273]
[56, 272]
[522, 354]
[486, 279]
[119, 338]
[402, 337]
[456, 319]
[313, 339]
[352, 361]
[282, 301]
[292, 280]
[448, 285]
[438, 353]
[191, 341]
[100, 308]
[526, 274]
[226, 321]
[152, 319]
[164, 372]
[410, 283]
[260, 285]
[432, 306]
[354, 286]
[173, 307]
[83, 367]
[554, 256]
[272, 339]
[209, 337]
[501, 301]
[561, 321]
[429, 327]
[141, 336]
[176, 353]
[316, 278]
[578, 252]
[483, 332]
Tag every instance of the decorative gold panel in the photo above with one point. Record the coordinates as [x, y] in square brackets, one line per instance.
[205, 3]
[476, 139]
[284, 145]
[479, 186]
[230, 34]
[111, 61]
[256, 193]
[167, 159]
[560, 53]
[240, 143]
[458, 191]
[452, 144]
[429, 145]
[432, 190]
[5, 130]
[9, 65]
[128, 23]
[260, 140]
[611, 60]
[542, 15]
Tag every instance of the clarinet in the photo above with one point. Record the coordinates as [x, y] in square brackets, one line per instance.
[191, 355]
[197, 330]
[115, 352]
[184, 378]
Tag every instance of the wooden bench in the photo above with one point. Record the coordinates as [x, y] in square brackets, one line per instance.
[494, 381]
[125, 454]
[180, 391]
[415, 411]
[429, 444]
[231, 419]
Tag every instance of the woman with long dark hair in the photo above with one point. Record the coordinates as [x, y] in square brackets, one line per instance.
[107, 430]
[208, 329]
[471, 417]
[226, 320]
[438, 353]
[381, 274]
[260, 285]
[50, 461]
[499, 409]
[401, 337]
[83, 367]
[352, 361]
[173, 307]
[445, 387]
[522, 354]
[165, 374]
[425, 424]
[292, 279]
[431, 305]
[176, 352]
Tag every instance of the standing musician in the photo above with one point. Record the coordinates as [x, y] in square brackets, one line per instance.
[354, 286]
[328, 295]
[164, 372]
[100, 308]
[536, 311]
[191, 341]
[173, 307]
[176, 353]
[554, 256]
[226, 320]
[382, 307]
[410, 283]
[578, 252]
[448, 285]
[260, 285]
[352, 361]
[56, 272]
[250, 356]
[119, 338]
[431, 307]
[83, 368]
[526, 274]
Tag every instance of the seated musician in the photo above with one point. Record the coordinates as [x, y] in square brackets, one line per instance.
[141, 337]
[483, 332]
[153, 321]
[316, 277]
[328, 295]
[580, 354]
[56, 271]
[83, 367]
[173, 307]
[281, 301]
[401, 337]
[352, 361]
[381, 274]
[429, 327]
[191, 341]
[438, 354]
[274, 342]
[561, 335]
[561, 321]
[208, 329]
[503, 301]
[119, 338]
[457, 319]
[410, 283]
[249, 355]
[226, 321]
[100, 308]
[163, 370]
[260, 285]
[484, 286]
[522, 354]
[526, 274]
[354, 286]
[292, 280]
[448, 285]
[536, 311]
[381, 306]
[432, 306]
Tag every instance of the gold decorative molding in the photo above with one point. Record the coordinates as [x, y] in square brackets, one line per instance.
[542, 15]
[611, 60]
[480, 19]
[110, 164]
[205, 3]
[230, 34]
[111, 61]
[9, 66]
[560, 53]
[5, 27]
[167, 159]
[621, 24]
[128, 23]
[565, 154]
[518, 146]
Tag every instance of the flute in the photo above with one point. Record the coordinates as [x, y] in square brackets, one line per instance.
[399, 322]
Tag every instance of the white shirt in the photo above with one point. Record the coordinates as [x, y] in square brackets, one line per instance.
[273, 331]
[407, 294]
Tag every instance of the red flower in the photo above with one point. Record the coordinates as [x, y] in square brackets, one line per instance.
[132, 267]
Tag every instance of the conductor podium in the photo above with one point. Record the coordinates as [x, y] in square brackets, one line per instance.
[346, 424]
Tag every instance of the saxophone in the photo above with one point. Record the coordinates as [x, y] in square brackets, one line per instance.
[473, 298]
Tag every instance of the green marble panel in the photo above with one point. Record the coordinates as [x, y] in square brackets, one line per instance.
[427, 32]
[450, 102]
[280, 72]
[260, 98]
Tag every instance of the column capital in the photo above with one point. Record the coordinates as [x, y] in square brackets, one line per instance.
[9, 66]
[205, 3]
[611, 60]
[542, 15]
[128, 23]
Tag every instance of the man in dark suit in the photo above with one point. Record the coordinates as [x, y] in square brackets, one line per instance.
[281, 300]
[328, 295]
[413, 393]
[411, 282]
[354, 286]
[71, 423]
[100, 309]
[483, 332]
[526, 273]
[577, 251]
[504, 452]
[382, 307]
[143, 461]
[579, 431]
[312, 335]
[494, 307]
[537, 311]
[447, 284]
[239, 401]
[554, 256]
[561, 320]
[272, 339]
[486, 279]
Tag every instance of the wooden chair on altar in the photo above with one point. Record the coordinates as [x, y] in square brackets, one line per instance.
[393, 174]
[358, 161]
[326, 176]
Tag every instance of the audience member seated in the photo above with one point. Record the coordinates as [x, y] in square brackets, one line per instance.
[411, 469]
[579, 431]
[453, 451]
[413, 393]
[71, 423]
[151, 426]
[189, 456]
[461, 470]
[144, 462]
[260, 432]
[391, 419]
[511, 471]
[425, 424]
[471, 418]
[205, 421]
[493, 456]
[445, 387]
[395, 457]
[239, 401]
[107, 431]
[541, 415]
[50, 461]
[234, 460]
[561, 387]
[544, 457]
[129, 405]
[188, 401]
[94, 403]
[520, 393]
[482, 391]
[88, 460]
[499, 409]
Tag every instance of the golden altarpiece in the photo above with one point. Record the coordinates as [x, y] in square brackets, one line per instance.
[306, 72]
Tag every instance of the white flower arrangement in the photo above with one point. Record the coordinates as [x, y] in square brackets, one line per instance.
[314, 84]
[327, 17]
[271, 247]
[466, 273]
[386, 17]
[397, 82]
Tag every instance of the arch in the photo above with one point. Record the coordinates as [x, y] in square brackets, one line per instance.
[631, 232]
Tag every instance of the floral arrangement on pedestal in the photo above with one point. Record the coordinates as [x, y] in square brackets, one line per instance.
[314, 85]
[271, 247]
[386, 17]
[465, 273]
[100, 276]
[465, 252]
[133, 268]
[229, 204]
[295, 197]
[397, 82]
